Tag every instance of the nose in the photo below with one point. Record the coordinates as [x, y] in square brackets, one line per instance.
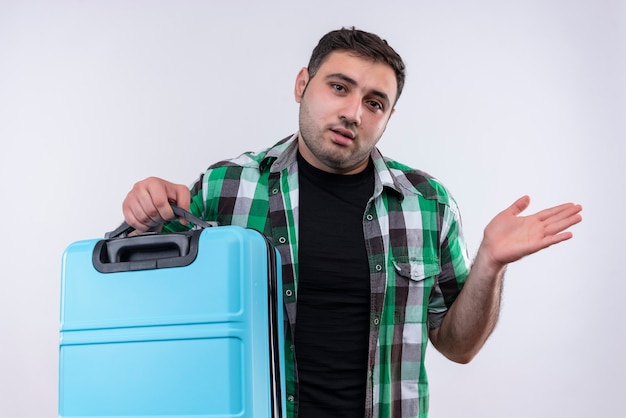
[352, 111]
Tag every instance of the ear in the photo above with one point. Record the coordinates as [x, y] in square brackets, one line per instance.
[301, 81]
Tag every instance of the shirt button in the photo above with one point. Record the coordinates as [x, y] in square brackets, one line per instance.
[379, 267]
[376, 321]
[282, 240]
[288, 293]
[275, 191]
[369, 217]
[291, 398]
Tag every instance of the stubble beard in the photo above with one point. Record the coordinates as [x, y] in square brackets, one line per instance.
[334, 156]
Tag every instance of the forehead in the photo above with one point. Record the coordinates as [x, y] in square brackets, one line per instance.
[369, 74]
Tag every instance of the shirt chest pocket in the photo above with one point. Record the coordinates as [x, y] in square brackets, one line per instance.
[413, 284]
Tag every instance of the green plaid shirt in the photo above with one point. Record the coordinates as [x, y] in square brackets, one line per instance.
[418, 260]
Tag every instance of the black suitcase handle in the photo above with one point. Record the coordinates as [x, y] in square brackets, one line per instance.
[118, 252]
[124, 229]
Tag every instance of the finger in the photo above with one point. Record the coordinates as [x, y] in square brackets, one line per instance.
[519, 206]
[158, 206]
[559, 212]
[132, 209]
[561, 224]
[132, 220]
[141, 212]
[138, 219]
[153, 201]
[555, 239]
[163, 195]
[179, 195]
[147, 205]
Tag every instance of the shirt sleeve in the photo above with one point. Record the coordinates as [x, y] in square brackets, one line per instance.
[454, 263]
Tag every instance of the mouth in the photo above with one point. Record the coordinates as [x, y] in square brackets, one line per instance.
[344, 133]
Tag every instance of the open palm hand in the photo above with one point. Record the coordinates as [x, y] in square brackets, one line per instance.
[509, 237]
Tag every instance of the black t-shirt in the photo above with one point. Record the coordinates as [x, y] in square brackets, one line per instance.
[333, 299]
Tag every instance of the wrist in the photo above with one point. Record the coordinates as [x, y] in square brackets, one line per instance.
[486, 263]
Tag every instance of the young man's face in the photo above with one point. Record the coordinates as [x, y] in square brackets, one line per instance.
[344, 110]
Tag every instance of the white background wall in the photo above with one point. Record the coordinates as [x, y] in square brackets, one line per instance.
[502, 99]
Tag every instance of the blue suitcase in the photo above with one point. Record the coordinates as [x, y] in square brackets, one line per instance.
[172, 325]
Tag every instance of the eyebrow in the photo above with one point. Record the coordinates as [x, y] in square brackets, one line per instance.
[380, 94]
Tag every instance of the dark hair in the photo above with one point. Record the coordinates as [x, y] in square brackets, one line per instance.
[362, 44]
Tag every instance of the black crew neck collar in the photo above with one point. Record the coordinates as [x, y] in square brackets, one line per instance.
[309, 170]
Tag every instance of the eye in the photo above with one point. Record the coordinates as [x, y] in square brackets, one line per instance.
[375, 104]
[338, 87]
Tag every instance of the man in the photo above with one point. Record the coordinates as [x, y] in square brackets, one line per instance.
[374, 261]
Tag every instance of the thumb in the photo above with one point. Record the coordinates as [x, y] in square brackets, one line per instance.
[179, 195]
[519, 206]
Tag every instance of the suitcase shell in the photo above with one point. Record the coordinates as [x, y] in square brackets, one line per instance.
[142, 336]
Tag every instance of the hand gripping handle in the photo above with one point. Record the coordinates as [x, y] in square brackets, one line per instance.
[124, 229]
